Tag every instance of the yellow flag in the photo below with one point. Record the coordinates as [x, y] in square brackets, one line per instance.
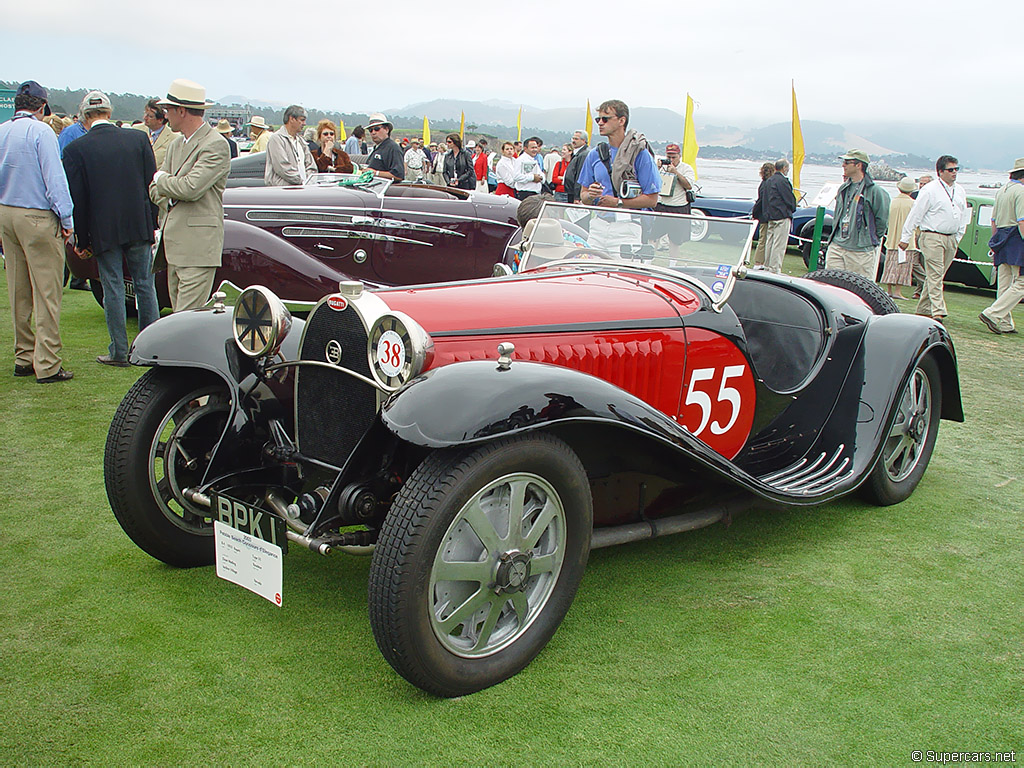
[690, 146]
[341, 130]
[589, 124]
[798, 148]
[426, 132]
[462, 128]
[519, 124]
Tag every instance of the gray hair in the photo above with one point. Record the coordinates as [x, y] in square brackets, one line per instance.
[293, 111]
[782, 165]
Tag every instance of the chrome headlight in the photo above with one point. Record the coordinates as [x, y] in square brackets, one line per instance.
[398, 349]
[260, 322]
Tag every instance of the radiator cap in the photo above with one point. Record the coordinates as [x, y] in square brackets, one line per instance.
[350, 289]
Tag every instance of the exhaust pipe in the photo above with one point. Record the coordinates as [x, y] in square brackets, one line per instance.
[652, 529]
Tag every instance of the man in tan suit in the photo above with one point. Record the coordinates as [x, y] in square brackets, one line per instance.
[191, 183]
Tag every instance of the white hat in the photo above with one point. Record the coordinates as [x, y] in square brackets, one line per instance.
[185, 93]
[94, 100]
[258, 122]
[470, 144]
[379, 118]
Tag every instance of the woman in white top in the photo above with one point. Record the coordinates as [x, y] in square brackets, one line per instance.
[505, 170]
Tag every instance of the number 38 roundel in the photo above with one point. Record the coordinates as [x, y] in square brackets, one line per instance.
[718, 399]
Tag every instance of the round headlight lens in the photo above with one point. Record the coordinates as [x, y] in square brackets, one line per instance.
[260, 322]
[398, 349]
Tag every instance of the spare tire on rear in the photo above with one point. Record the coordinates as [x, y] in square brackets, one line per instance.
[873, 296]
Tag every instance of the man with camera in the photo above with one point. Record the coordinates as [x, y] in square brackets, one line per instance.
[677, 179]
[616, 175]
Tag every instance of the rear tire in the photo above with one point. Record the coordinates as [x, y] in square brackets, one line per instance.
[880, 302]
[908, 446]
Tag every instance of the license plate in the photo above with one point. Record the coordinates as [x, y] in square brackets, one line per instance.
[129, 289]
[249, 519]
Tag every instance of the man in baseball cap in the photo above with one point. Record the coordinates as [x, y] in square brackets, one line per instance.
[861, 218]
[386, 157]
[35, 220]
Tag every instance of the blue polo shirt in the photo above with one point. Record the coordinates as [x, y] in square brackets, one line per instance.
[69, 134]
[594, 170]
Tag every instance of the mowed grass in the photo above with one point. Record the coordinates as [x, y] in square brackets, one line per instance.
[843, 634]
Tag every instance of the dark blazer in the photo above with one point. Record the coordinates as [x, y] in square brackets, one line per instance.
[572, 172]
[109, 170]
[777, 202]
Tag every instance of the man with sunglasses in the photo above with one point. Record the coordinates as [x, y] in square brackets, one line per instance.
[386, 159]
[861, 218]
[940, 212]
[624, 161]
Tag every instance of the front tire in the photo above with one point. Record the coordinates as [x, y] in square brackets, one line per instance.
[160, 441]
[478, 561]
[908, 446]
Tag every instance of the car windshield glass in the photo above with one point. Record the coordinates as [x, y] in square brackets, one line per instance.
[706, 249]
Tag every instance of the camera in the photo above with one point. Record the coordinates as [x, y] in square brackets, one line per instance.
[664, 161]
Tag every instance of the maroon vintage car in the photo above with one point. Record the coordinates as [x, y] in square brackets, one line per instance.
[301, 241]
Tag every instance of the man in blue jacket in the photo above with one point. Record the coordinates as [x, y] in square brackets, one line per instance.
[777, 207]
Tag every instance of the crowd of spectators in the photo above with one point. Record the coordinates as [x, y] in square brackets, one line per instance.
[61, 182]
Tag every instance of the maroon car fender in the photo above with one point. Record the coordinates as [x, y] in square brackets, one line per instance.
[291, 273]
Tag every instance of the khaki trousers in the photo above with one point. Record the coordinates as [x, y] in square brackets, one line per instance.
[937, 253]
[863, 263]
[1009, 294]
[189, 287]
[762, 237]
[34, 253]
[775, 248]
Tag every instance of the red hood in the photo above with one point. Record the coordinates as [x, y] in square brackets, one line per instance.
[545, 301]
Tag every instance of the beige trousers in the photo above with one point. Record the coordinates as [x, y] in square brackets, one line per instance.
[1009, 293]
[863, 263]
[34, 253]
[777, 237]
[189, 287]
[937, 253]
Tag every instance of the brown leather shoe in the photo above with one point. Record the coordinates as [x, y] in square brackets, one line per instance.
[60, 375]
[108, 360]
[23, 370]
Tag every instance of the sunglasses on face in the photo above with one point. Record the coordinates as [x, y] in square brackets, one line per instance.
[850, 162]
[376, 128]
[954, 169]
[604, 118]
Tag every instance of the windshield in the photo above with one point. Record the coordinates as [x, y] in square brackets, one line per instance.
[705, 249]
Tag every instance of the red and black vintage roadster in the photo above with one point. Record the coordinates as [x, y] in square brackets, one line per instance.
[482, 437]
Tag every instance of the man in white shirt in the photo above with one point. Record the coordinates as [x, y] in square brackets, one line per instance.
[940, 212]
[289, 161]
[415, 161]
[528, 174]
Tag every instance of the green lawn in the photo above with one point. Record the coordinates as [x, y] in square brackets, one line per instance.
[843, 634]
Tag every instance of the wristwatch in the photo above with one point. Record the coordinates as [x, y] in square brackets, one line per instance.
[619, 204]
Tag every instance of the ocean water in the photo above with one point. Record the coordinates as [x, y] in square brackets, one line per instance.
[740, 178]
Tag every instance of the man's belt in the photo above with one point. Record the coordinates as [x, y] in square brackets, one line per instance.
[935, 232]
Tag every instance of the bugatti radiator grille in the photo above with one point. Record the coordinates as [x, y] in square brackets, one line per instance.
[333, 409]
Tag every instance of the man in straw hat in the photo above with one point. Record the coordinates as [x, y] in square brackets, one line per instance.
[225, 129]
[109, 171]
[386, 157]
[259, 132]
[35, 219]
[1007, 246]
[191, 183]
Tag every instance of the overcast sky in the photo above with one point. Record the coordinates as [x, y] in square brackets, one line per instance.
[873, 60]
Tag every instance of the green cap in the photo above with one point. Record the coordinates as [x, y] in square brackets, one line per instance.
[856, 154]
